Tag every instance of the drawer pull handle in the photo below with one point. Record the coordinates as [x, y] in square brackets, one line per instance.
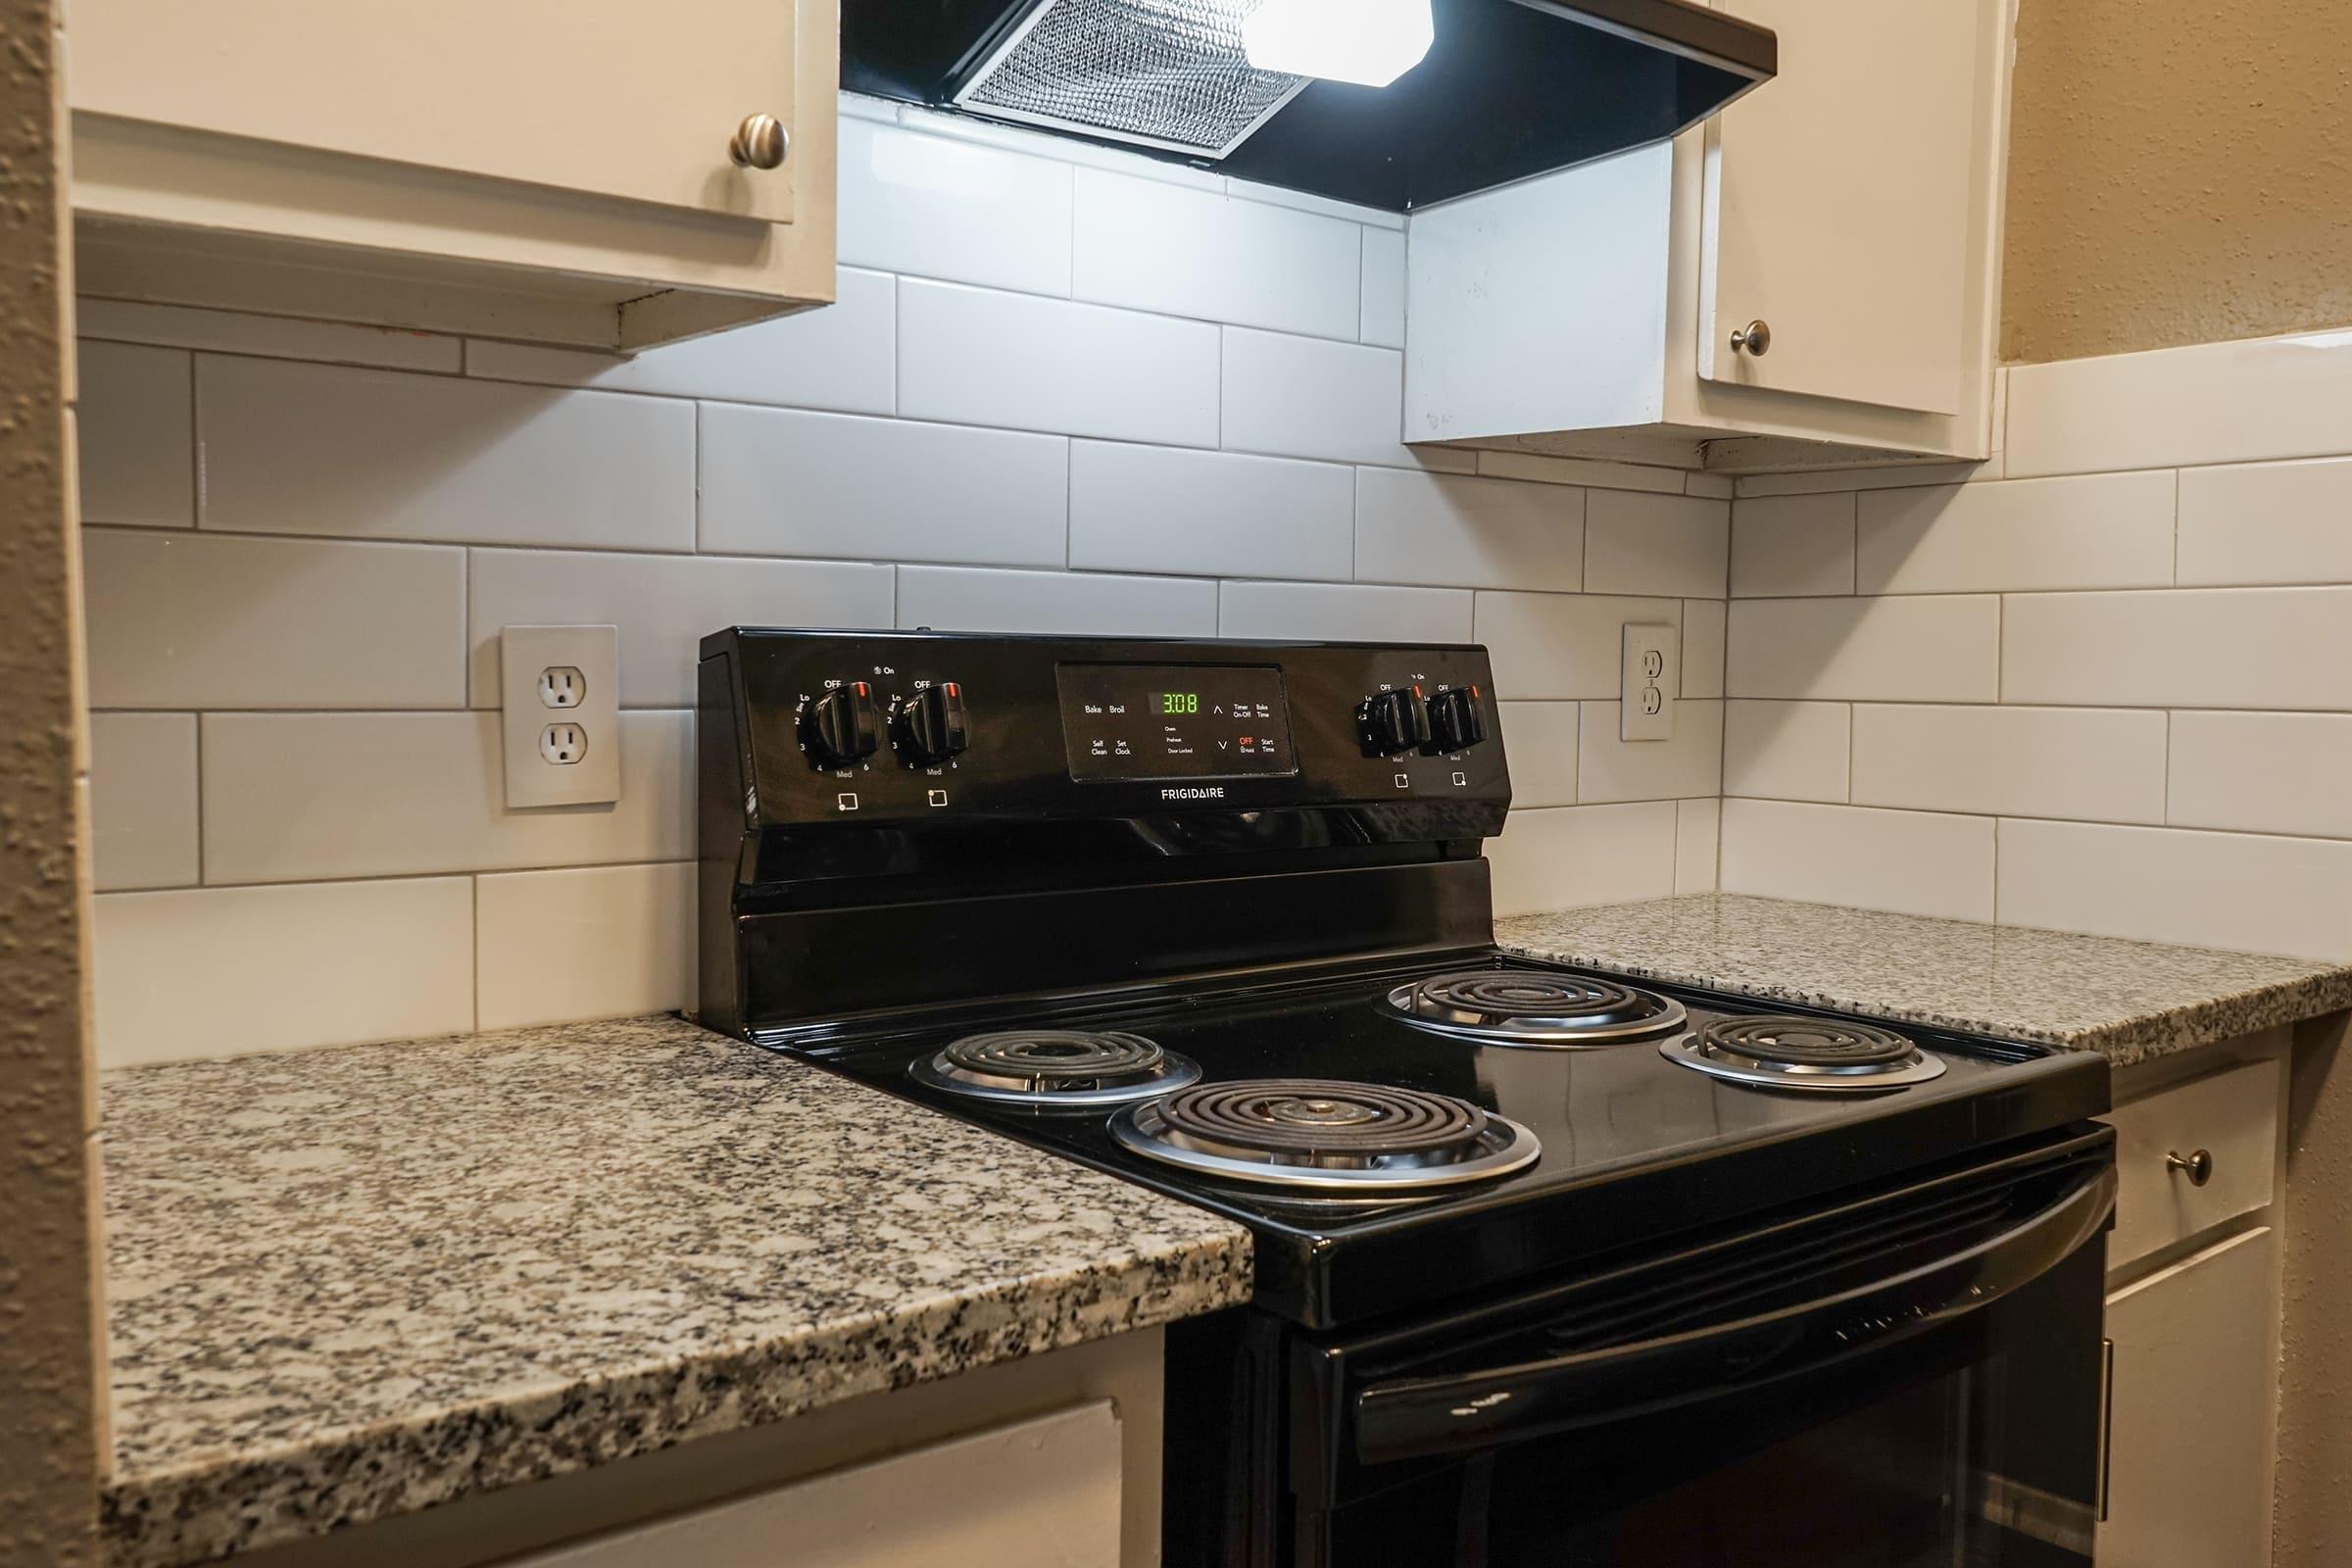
[759, 142]
[1755, 338]
[2198, 1166]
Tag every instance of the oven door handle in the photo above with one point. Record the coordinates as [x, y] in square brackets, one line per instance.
[1406, 1417]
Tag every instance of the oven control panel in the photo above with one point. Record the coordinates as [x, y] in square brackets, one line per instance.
[829, 726]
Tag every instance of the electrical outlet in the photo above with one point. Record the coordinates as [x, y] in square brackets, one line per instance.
[569, 671]
[1646, 705]
[562, 686]
[564, 744]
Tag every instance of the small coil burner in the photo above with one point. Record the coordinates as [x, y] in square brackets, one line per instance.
[1072, 1068]
[1328, 1135]
[1818, 1056]
[1536, 1007]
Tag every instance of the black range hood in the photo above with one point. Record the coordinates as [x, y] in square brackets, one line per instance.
[1510, 88]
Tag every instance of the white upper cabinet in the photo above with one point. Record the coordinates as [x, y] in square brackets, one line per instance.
[546, 171]
[1806, 282]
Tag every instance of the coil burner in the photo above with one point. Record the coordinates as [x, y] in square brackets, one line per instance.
[1326, 1135]
[1814, 1056]
[1056, 1067]
[1536, 1007]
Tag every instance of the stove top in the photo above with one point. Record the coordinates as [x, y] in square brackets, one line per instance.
[1383, 1157]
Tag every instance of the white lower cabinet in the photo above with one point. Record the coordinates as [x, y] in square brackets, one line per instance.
[1037, 1494]
[2193, 1407]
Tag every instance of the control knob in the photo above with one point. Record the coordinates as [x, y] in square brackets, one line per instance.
[1455, 722]
[930, 724]
[1392, 723]
[841, 728]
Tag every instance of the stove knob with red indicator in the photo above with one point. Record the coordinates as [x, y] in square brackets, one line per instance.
[841, 728]
[930, 724]
[1394, 723]
[1456, 722]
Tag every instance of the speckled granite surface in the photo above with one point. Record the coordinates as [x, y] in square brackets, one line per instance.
[355, 1282]
[2129, 1000]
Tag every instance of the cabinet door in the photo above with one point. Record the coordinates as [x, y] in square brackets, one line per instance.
[2193, 1403]
[608, 97]
[1038, 1494]
[1842, 198]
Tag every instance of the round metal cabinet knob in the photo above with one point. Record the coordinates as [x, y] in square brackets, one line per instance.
[1755, 338]
[2196, 1166]
[759, 142]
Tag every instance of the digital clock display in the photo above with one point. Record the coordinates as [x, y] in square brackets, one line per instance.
[1173, 721]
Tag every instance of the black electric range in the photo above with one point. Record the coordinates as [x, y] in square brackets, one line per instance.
[1552, 1267]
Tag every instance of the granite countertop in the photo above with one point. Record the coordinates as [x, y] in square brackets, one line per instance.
[355, 1282]
[2129, 1001]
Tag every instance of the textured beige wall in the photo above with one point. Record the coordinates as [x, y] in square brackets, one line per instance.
[50, 1406]
[2179, 173]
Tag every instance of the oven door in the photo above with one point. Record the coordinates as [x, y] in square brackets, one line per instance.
[1910, 1379]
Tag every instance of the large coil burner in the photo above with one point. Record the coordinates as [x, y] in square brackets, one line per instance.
[1326, 1135]
[1536, 1007]
[1813, 1056]
[1056, 1067]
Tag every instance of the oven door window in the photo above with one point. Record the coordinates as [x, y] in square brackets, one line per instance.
[1966, 1437]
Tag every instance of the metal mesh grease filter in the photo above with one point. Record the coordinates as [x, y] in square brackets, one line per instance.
[1166, 73]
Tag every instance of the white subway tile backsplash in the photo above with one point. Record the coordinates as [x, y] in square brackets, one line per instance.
[2202, 648]
[1561, 645]
[664, 605]
[1697, 839]
[2219, 890]
[1558, 857]
[969, 599]
[2262, 772]
[327, 449]
[1309, 202]
[1153, 246]
[1788, 751]
[189, 620]
[2268, 522]
[222, 971]
[1785, 547]
[1343, 612]
[1943, 649]
[1456, 530]
[2241, 402]
[1702, 646]
[137, 446]
[143, 800]
[1913, 863]
[600, 943]
[2094, 531]
[2094, 763]
[782, 482]
[277, 336]
[1639, 543]
[971, 357]
[1305, 396]
[1381, 319]
[842, 356]
[1540, 740]
[1176, 509]
[1056, 149]
[954, 209]
[1546, 469]
[305, 796]
[1689, 762]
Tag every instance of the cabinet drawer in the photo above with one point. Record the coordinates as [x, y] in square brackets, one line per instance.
[2234, 1117]
[1035, 1492]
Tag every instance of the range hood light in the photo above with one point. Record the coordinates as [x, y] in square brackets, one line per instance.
[1371, 42]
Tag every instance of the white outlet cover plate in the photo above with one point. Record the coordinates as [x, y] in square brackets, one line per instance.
[1652, 676]
[531, 779]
